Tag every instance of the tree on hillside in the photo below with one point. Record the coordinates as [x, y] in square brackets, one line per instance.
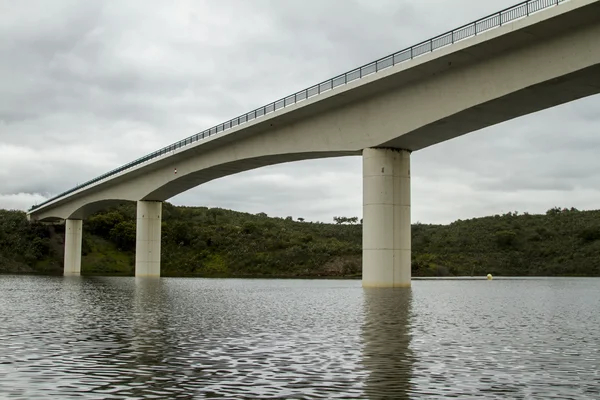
[214, 213]
[344, 220]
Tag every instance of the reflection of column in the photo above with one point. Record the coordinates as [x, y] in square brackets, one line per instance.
[386, 218]
[73, 238]
[149, 324]
[386, 354]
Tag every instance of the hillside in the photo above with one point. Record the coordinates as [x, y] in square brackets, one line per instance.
[198, 241]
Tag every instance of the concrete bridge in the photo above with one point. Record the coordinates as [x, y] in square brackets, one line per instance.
[530, 57]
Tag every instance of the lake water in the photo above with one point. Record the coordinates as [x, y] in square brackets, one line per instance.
[99, 338]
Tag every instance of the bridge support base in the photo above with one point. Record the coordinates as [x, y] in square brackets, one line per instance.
[73, 239]
[147, 239]
[386, 218]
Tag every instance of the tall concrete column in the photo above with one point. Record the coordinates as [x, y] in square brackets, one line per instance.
[386, 218]
[73, 239]
[147, 238]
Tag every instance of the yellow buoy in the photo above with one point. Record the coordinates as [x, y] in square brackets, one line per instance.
[490, 277]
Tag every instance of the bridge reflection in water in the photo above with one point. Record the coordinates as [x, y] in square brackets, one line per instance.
[386, 354]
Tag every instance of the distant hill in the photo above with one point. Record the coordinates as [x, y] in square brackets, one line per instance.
[198, 241]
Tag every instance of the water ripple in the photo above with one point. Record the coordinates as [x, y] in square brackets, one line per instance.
[115, 338]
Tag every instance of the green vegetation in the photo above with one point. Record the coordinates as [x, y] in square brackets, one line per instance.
[198, 241]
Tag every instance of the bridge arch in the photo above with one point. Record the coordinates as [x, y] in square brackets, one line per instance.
[199, 176]
[80, 210]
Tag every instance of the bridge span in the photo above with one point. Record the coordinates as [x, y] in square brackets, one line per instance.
[529, 57]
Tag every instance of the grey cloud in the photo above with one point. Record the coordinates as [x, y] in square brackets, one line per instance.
[88, 86]
[16, 201]
[516, 183]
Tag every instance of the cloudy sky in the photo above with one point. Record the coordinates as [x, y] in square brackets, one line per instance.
[88, 86]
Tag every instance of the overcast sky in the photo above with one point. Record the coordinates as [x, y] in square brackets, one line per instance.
[89, 85]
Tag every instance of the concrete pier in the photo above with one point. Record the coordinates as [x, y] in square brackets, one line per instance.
[386, 218]
[147, 240]
[73, 239]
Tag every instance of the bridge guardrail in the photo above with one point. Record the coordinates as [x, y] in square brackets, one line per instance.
[472, 29]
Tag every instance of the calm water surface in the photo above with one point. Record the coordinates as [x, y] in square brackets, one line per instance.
[199, 338]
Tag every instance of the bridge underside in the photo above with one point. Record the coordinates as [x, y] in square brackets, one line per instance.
[548, 94]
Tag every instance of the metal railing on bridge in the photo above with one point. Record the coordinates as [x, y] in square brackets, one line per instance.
[497, 19]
